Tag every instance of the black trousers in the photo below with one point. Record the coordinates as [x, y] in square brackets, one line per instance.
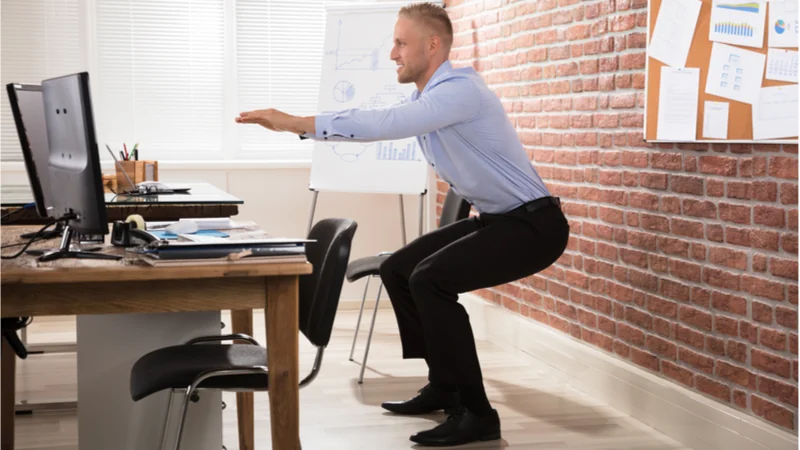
[424, 278]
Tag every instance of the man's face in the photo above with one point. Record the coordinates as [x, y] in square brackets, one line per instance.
[409, 51]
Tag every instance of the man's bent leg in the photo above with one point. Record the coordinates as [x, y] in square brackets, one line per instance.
[396, 272]
[503, 250]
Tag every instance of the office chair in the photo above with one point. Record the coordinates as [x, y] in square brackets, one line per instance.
[454, 209]
[241, 367]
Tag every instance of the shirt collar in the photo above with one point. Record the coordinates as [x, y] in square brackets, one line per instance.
[444, 68]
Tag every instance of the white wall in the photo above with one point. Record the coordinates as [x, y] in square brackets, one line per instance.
[276, 196]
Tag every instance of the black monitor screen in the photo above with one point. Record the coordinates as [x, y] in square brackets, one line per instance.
[27, 107]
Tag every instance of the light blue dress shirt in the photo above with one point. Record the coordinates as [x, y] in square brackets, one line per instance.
[463, 131]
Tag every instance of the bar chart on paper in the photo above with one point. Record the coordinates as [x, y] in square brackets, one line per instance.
[387, 151]
[735, 29]
[738, 23]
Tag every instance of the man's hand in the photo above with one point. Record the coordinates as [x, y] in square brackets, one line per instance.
[275, 120]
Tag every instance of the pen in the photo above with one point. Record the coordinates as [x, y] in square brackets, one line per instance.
[136, 151]
[125, 147]
[121, 155]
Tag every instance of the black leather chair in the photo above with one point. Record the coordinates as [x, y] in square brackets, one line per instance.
[242, 367]
[454, 209]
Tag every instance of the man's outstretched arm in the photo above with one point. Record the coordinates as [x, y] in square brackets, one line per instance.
[449, 103]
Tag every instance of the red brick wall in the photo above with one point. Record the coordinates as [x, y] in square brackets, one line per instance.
[682, 258]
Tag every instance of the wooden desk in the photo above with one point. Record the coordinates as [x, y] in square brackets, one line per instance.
[203, 200]
[74, 287]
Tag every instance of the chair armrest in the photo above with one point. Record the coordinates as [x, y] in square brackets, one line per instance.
[224, 337]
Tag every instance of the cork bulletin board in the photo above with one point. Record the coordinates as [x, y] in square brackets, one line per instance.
[740, 121]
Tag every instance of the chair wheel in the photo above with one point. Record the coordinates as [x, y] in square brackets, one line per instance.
[224, 405]
[195, 398]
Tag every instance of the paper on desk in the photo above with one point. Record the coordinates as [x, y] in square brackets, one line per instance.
[674, 30]
[715, 120]
[775, 114]
[738, 22]
[735, 73]
[782, 65]
[783, 23]
[677, 104]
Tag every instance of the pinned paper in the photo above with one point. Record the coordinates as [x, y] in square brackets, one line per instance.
[783, 23]
[715, 120]
[735, 73]
[782, 65]
[775, 114]
[674, 31]
[677, 104]
[738, 22]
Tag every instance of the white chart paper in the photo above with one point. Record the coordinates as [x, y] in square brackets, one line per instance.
[735, 73]
[677, 104]
[775, 113]
[782, 65]
[715, 120]
[783, 23]
[674, 31]
[738, 22]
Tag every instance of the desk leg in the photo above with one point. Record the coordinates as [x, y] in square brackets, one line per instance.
[242, 322]
[282, 323]
[7, 402]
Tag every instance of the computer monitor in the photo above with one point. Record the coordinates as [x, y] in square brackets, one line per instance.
[75, 176]
[27, 107]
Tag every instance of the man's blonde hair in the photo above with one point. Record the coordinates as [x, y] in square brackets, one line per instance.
[434, 17]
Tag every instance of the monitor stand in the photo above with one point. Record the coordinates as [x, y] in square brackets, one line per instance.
[58, 231]
[65, 250]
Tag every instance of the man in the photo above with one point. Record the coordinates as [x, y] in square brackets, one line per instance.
[467, 138]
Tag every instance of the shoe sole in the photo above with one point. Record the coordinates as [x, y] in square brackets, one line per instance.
[485, 438]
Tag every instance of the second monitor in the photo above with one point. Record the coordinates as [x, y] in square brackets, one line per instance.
[74, 164]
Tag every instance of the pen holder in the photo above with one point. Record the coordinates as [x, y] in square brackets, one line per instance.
[123, 168]
[137, 171]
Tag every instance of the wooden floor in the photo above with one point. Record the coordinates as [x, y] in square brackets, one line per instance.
[537, 410]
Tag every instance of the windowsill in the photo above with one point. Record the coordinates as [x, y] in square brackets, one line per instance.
[19, 166]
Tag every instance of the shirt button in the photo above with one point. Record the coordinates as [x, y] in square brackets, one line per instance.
[352, 135]
[324, 132]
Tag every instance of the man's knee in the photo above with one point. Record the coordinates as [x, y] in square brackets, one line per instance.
[421, 280]
[388, 269]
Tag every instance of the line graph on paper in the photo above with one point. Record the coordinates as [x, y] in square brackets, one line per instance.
[354, 56]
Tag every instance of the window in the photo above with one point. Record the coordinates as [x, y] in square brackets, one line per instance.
[173, 74]
[160, 77]
[40, 39]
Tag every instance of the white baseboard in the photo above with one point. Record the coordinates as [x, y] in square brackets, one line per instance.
[683, 415]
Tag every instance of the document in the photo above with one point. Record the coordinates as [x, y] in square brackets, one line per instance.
[735, 73]
[775, 114]
[783, 23]
[715, 120]
[782, 65]
[738, 22]
[677, 104]
[674, 31]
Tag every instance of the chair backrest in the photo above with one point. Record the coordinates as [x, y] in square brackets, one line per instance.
[454, 209]
[320, 290]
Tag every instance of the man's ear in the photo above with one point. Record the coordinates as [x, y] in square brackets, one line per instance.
[434, 43]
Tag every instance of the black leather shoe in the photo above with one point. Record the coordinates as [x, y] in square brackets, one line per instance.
[429, 400]
[461, 429]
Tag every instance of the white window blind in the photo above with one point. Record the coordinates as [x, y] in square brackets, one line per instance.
[40, 39]
[160, 81]
[279, 49]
